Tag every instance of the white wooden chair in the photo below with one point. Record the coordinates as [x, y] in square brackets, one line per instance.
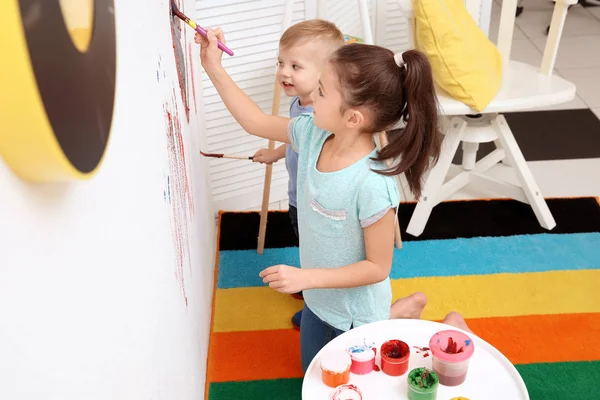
[524, 87]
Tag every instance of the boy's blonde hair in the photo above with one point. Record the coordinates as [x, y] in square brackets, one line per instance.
[312, 29]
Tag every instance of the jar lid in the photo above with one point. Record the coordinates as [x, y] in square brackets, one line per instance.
[451, 346]
[346, 392]
[336, 361]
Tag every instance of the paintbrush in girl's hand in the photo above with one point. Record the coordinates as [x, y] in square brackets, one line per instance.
[196, 27]
[220, 155]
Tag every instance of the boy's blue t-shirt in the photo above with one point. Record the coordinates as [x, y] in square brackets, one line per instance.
[334, 208]
[291, 157]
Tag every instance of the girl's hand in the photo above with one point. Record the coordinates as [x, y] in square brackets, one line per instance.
[286, 279]
[210, 54]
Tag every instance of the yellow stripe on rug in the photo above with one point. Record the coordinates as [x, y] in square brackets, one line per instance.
[475, 296]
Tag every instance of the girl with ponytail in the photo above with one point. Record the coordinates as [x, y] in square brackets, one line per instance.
[347, 198]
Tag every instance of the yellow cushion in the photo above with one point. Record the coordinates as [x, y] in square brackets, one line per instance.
[464, 61]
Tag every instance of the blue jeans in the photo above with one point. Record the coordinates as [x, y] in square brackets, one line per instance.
[293, 212]
[314, 335]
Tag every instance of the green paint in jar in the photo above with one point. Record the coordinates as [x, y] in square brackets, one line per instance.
[422, 384]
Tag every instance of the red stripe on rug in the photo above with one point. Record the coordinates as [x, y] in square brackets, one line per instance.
[256, 355]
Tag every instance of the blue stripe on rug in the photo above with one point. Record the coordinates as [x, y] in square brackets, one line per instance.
[482, 255]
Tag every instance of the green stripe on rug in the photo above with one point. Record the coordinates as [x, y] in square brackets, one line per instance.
[552, 381]
[280, 389]
[562, 381]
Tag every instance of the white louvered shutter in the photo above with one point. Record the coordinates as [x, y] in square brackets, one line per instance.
[252, 29]
[389, 26]
[391, 29]
[344, 13]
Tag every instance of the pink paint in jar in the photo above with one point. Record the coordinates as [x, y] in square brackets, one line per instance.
[362, 354]
[451, 351]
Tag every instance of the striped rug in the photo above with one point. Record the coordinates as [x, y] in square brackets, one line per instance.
[533, 294]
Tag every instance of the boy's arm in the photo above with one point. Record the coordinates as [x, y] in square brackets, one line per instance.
[280, 152]
[243, 109]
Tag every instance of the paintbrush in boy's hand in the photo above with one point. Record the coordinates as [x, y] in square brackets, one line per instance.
[220, 155]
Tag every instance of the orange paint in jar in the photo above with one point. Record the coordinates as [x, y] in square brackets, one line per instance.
[335, 367]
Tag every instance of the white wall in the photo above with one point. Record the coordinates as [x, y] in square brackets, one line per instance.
[91, 305]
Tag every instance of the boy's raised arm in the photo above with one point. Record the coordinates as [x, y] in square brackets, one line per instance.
[243, 109]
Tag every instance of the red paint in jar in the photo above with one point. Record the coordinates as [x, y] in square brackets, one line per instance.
[394, 357]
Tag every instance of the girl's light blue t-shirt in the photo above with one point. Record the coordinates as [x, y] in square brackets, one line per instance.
[333, 210]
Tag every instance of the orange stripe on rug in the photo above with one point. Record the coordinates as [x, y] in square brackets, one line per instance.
[275, 354]
[542, 338]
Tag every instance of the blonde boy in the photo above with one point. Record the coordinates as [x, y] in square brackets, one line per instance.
[303, 50]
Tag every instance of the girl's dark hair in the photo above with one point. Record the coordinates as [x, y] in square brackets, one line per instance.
[370, 78]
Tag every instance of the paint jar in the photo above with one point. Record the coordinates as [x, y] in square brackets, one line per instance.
[335, 367]
[394, 357]
[362, 354]
[346, 392]
[451, 351]
[422, 384]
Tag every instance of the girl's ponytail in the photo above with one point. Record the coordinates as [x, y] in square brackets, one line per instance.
[418, 145]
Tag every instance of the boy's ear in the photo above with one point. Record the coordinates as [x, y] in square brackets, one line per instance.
[354, 118]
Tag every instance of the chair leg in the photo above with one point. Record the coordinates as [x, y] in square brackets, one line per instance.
[436, 177]
[397, 234]
[403, 185]
[528, 184]
[506, 161]
[469, 158]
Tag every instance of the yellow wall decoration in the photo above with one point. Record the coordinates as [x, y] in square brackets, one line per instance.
[57, 87]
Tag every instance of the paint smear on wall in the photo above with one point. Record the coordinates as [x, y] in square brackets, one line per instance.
[178, 192]
[177, 31]
[193, 89]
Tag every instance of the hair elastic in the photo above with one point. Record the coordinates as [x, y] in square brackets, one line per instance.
[399, 60]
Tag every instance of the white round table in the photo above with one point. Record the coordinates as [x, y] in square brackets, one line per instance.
[490, 376]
